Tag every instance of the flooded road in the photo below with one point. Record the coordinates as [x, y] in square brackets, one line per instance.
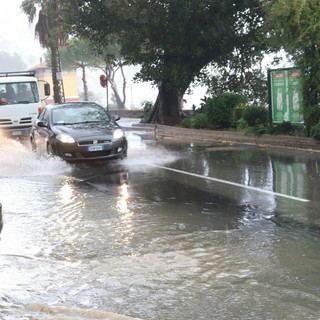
[172, 232]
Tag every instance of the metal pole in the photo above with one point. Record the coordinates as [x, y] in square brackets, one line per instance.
[131, 105]
[107, 89]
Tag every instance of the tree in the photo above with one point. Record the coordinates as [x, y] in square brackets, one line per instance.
[172, 40]
[246, 79]
[79, 53]
[50, 35]
[110, 71]
[113, 61]
[294, 25]
[91, 96]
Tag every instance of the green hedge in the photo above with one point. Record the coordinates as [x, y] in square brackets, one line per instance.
[219, 109]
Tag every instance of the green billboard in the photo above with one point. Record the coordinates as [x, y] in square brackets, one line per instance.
[285, 91]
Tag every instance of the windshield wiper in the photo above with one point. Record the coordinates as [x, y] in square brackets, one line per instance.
[23, 102]
[63, 123]
[88, 121]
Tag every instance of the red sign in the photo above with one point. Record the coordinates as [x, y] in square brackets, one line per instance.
[103, 81]
[295, 74]
[278, 75]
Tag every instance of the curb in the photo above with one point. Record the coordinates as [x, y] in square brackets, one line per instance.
[201, 136]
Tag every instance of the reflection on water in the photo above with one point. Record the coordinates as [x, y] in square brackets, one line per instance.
[282, 173]
[123, 197]
[66, 192]
[124, 238]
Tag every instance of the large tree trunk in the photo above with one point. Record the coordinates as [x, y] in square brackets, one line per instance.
[166, 109]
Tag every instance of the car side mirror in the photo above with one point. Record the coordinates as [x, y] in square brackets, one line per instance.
[116, 117]
[47, 90]
[41, 124]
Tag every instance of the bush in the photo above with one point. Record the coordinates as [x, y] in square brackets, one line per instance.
[146, 106]
[242, 125]
[311, 116]
[219, 108]
[186, 123]
[255, 115]
[315, 131]
[199, 121]
[237, 114]
[286, 127]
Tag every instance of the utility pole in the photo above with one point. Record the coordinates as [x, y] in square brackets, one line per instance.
[104, 84]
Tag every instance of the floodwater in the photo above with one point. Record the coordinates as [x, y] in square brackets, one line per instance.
[172, 232]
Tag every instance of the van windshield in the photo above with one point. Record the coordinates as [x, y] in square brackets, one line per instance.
[19, 92]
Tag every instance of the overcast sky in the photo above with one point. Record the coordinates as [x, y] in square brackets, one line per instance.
[16, 34]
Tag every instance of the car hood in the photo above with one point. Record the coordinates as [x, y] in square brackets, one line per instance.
[91, 129]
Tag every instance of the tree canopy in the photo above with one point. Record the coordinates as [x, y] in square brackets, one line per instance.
[172, 40]
[239, 75]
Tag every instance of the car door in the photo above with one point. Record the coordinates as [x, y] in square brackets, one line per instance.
[41, 132]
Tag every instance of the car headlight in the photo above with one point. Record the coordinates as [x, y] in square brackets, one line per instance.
[65, 138]
[118, 134]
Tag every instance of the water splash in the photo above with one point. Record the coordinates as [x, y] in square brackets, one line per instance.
[17, 160]
[144, 153]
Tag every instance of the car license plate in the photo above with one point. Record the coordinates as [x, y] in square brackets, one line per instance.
[16, 133]
[95, 148]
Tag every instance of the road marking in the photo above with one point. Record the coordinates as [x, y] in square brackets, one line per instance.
[231, 183]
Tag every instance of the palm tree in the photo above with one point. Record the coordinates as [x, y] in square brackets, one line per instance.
[50, 36]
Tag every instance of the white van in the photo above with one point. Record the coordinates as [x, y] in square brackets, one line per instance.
[20, 102]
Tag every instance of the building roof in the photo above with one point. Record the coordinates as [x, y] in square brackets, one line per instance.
[42, 65]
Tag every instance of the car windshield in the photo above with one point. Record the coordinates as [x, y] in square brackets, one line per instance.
[75, 114]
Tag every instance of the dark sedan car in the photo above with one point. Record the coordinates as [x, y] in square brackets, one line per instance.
[78, 131]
